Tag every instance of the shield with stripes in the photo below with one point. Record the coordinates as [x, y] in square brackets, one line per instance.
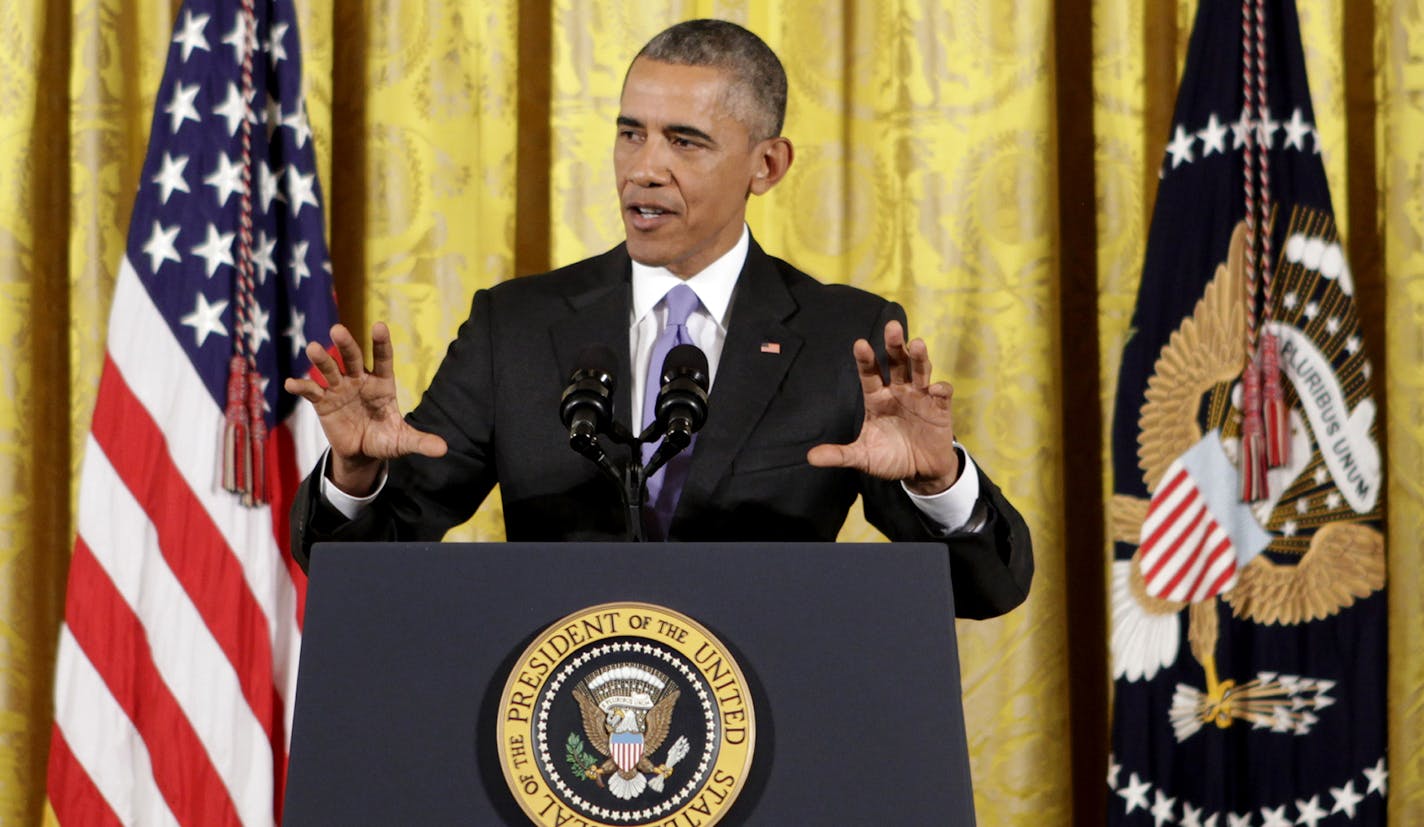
[1197, 534]
[626, 749]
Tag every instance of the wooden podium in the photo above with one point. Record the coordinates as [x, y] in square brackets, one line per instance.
[848, 649]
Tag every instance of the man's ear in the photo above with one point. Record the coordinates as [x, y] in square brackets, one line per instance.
[774, 157]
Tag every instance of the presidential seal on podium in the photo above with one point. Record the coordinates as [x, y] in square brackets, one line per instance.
[626, 714]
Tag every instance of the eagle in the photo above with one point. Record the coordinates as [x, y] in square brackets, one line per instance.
[1326, 554]
[626, 730]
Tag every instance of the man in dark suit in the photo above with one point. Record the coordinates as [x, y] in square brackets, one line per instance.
[795, 430]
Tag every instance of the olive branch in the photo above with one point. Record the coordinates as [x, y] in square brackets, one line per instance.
[578, 757]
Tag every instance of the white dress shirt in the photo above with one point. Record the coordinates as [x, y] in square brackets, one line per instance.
[707, 325]
[951, 510]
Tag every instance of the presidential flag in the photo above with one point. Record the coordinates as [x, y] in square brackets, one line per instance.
[177, 658]
[1248, 597]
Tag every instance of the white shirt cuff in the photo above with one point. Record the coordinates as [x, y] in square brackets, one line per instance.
[952, 509]
[349, 506]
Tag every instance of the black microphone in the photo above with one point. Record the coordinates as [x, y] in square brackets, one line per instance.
[681, 406]
[586, 407]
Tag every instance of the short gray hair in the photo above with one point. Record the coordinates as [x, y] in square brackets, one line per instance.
[758, 79]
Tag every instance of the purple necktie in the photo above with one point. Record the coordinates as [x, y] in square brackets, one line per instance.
[665, 485]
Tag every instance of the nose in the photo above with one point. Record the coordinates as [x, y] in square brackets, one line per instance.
[649, 166]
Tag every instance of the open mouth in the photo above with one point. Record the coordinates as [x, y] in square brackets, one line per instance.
[648, 218]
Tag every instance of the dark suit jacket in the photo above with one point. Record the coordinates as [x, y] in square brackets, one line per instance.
[495, 400]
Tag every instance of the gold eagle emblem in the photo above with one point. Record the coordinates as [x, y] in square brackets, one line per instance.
[1339, 559]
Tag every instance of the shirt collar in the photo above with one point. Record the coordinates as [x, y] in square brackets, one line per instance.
[713, 286]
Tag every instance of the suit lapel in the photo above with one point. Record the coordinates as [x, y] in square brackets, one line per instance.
[600, 306]
[747, 375]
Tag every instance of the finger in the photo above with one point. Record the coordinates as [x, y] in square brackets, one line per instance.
[940, 394]
[382, 354]
[305, 388]
[350, 352]
[868, 367]
[919, 363]
[895, 353]
[322, 361]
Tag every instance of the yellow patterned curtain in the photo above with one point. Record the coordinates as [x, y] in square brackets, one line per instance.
[1399, 170]
[947, 154]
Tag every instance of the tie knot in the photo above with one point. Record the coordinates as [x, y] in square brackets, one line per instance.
[680, 301]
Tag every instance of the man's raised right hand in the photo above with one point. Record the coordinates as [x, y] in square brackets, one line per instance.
[358, 410]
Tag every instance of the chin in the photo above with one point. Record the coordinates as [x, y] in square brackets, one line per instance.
[647, 254]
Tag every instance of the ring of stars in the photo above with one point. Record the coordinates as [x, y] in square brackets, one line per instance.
[550, 768]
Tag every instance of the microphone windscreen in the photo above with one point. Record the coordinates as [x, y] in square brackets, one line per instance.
[597, 359]
[686, 360]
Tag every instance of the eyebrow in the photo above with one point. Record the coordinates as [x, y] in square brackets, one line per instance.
[676, 129]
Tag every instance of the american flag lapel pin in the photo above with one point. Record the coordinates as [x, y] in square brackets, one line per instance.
[770, 347]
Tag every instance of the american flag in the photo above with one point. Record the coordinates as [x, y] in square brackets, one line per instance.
[177, 659]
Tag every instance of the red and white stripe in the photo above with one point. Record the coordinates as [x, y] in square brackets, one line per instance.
[626, 754]
[177, 661]
[1187, 556]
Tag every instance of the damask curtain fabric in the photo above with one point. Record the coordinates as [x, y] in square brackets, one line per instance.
[989, 165]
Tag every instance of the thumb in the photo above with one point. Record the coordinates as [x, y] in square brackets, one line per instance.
[831, 456]
[419, 442]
